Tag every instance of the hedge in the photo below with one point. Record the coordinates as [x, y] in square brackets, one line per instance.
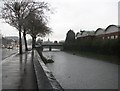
[107, 47]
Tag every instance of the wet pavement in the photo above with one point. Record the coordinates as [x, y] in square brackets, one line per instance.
[18, 72]
[25, 72]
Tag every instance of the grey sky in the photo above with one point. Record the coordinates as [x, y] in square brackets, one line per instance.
[76, 15]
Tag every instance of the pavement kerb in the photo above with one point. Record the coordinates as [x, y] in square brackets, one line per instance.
[54, 83]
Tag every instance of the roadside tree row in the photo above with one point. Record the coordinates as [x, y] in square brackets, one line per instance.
[28, 17]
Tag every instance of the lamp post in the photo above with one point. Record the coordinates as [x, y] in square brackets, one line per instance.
[17, 12]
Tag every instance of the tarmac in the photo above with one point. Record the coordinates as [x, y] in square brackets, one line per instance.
[23, 72]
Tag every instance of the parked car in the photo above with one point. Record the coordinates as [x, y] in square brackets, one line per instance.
[3, 46]
[10, 47]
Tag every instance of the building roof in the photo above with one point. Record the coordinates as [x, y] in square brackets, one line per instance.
[103, 31]
[117, 26]
[99, 29]
[85, 33]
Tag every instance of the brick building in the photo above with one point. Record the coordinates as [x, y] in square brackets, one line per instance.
[111, 32]
[86, 35]
[99, 33]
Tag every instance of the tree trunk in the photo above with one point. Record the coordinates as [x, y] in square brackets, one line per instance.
[24, 35]
[33, 42]
[20, 41]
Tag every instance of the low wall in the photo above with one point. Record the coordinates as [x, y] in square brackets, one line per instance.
[51, 82]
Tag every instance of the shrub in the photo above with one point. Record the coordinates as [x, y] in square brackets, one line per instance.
[107, 47]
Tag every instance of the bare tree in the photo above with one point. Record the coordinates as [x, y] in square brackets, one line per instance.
[16, 11]
[36, 26]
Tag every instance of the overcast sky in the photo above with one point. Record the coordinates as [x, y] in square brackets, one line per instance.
[75, 15]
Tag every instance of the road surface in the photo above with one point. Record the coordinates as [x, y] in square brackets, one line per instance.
[8, 52]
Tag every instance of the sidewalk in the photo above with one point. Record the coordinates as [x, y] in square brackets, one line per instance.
[18, 73]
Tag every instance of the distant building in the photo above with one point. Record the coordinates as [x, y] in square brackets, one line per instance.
[4, 41]
[61, 42]
[47, 42]
[10, 40]
[14, 38]
[70, 36]
[111, 32]
[86, 35]
[99, 33]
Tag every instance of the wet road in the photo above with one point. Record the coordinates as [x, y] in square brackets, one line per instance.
[8, 52]
[77, 72]
[4, 53]
[0, 70]
[0, 54]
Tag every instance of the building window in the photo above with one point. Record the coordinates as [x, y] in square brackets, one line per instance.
[103, 38]
[112, 37]
[116, 36]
